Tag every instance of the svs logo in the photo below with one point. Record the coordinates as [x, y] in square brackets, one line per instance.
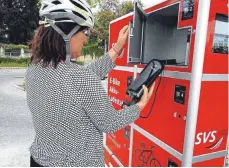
[208, 137]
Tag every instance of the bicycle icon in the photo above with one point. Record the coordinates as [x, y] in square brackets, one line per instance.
[141, 157]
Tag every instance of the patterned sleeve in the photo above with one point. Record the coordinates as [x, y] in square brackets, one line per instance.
[102, 66]
[98, 107]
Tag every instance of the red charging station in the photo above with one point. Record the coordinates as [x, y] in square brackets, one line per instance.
[186, 121]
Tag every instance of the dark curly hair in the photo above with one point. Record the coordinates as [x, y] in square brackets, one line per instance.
[48, 46]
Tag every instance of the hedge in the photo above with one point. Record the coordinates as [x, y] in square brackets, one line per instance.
[23, 60]
[91, 49]
[14, 60]
[15, 48]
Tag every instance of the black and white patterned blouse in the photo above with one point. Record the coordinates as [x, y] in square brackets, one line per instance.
[71, 111]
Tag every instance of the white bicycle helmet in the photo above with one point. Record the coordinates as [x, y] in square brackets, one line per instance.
[60, 11]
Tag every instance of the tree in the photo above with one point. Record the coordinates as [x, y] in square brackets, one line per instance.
[127, 7]
[102, 21]
[94, 3]
[112, 6]
[117, 7]
[3, 21]
[39, 4]
[110, 10]
[19, 20]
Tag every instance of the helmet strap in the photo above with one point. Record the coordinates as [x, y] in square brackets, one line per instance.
[65, 37]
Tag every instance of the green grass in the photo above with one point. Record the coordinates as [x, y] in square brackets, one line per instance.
[11, 64]
[80, 62]
[15, 62]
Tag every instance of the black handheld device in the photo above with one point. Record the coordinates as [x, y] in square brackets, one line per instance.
[147, 78]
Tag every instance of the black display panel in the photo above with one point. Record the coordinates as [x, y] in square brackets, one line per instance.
[179, 95]
[220, 41]
[188, 9]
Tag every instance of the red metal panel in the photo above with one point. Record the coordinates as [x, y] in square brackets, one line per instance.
[117, 142]
[162, 123]
[117, 86]
[110, 162]
[188, 22]
[162, 117]
[147, 154]
[212, 125]
[119, 145]
[215, 63]
[161, 5]
[114, 32]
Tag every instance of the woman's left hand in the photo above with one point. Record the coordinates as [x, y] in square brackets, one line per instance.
[123, 36]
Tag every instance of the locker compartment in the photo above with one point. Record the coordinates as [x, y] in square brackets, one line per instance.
[157, 36]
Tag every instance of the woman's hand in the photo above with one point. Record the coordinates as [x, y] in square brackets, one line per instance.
[122, 39]
[145, 97]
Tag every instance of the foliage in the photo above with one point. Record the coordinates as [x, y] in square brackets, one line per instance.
[19, 62]
[39, 4]
[14, 60]
[80, 62]
[112, 6]
[94, 3]
[93, 50]
[11, 64]
[102, 21]
[18, 20]
[13, 47]
[24, 19]
[127, 7]
[109, 10]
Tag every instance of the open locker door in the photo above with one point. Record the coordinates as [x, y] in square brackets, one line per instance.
[136, 34]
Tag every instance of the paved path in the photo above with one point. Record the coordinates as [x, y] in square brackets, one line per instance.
[16, 129]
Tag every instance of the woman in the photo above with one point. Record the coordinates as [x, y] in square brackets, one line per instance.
[69, 106]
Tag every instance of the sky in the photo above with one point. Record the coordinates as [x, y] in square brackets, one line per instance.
[145, 2]
[148, 2]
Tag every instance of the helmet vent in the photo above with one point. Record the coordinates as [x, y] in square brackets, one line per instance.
[87, 8]
[78, 14]
[91, 18]
[62, 19]
[56, 2]
[45, 7]
[60, 10]
[78, 5]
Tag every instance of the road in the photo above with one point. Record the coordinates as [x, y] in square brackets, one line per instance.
[16, 128]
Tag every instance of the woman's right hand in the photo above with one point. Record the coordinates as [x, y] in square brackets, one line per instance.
[145, 97]
[122, 37]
